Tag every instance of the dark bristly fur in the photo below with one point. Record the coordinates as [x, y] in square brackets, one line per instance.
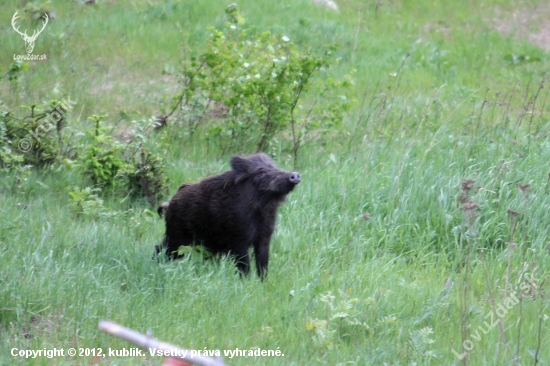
[229, 212]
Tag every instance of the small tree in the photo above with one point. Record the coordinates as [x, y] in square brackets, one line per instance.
[265, 85]
[146, 177]
[38, 133]
[101, 161]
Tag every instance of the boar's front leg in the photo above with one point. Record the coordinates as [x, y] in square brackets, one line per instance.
[261, 255]
[173, 239]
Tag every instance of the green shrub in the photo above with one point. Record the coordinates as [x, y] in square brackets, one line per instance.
[146, 177]
[8, 158]
[101, 161]
[13, 71]
[257, 85]
[37, 133]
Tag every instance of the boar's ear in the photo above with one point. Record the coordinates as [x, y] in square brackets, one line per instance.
[241, 168]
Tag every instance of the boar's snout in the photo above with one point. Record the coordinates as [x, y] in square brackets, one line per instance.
[295, 178]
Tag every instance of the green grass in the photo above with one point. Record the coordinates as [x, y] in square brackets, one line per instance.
[455, 109]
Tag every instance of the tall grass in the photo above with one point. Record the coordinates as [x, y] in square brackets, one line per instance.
[374, 259]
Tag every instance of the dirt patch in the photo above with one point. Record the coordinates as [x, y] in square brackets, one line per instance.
[36, 327]
[529, 23]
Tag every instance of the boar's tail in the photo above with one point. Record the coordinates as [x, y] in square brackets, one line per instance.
[162, 208]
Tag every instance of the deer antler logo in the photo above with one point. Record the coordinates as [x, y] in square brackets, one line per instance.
[29, 41]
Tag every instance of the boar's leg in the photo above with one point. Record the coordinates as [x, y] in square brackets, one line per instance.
[242, 259]
[261, 255]
[171, 243]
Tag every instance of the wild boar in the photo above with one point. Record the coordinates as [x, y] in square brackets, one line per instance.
[230, 212]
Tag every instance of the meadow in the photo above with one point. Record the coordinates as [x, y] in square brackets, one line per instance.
[419, 234]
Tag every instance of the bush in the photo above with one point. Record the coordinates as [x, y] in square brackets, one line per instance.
[259, 85]
[37, 133]
[86, 202]
[107, 164]
[101, 161]
[146, 177]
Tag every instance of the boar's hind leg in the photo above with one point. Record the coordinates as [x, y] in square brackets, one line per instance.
[242, 259]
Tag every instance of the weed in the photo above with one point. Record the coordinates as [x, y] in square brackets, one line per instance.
[101, 161]
[146, 177]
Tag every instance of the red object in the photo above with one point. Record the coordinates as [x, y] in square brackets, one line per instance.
[170, 361]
